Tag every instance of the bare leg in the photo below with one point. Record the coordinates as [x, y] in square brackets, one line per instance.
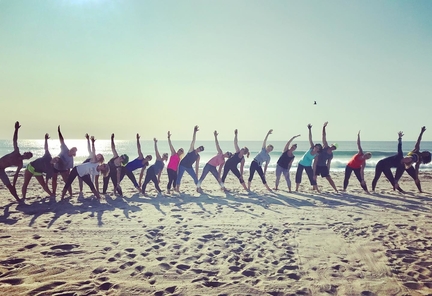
[43, 184]
[14, 193]
[27, 178]
[65, 176]
[54, 183]
[332, 183]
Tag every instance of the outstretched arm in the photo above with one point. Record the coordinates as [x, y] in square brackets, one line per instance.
[265, 167]
[265, 139]
[192, 146]
[236, 146]
[220, 168]
[19, 167]
[311, 143]
[60, 136]
[113, 148]
[417, 145]
[141, 176]
[242, 163]
[140, 155]
[324, 137]
[197, 165]
[288, 144]
[360, 150]
[170, 144]
[15, 136]
[158, 156]
[218, 148]
[46, 142]
[328, 164]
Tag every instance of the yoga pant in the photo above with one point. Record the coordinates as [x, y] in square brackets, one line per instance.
[113, 176]
[130, 174]
[73, 174]
[255, 167]
[189, 170]
[234, 170]
[309, 172]
[172, 178]
[348, 171]
[151, 176]
[208, 168]
[281, 171]
[383, 168]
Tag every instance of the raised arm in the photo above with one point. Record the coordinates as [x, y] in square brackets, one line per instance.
[170, 144]
[89, 149]
[360, 150]
[93, 149]
[417, 145]
[324, 136]
[15, 136]
[218, 148]
[140, 155]
[192, 146]
[60, 136]
[46, 142]
[113, 148]
[288, 144]
[264, 145]
[400, 134]
[311, 143]
[158, 156]
[236, 146]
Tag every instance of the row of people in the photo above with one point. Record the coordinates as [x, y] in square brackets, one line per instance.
[316, 162]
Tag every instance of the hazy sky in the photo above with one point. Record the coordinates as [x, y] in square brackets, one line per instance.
[104, 66]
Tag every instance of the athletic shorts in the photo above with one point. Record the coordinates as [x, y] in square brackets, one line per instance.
[322, 171]
[31, 169]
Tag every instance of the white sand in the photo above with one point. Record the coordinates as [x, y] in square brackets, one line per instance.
[220, 244]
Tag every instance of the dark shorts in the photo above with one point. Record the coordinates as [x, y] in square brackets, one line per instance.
[322, 171]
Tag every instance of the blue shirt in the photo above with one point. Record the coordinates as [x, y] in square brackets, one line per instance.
[262, 157]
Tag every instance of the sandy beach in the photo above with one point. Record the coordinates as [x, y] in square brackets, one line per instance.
[216, 243]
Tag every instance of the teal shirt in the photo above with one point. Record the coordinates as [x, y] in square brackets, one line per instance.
[307, 158]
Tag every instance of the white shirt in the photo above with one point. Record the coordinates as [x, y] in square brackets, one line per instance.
[87, 168]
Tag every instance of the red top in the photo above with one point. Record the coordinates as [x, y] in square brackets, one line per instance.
[356, 161]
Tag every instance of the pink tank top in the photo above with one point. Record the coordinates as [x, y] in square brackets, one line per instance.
[216, 160]
[173, 162]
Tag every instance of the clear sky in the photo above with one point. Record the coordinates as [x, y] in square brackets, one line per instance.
[128, 66]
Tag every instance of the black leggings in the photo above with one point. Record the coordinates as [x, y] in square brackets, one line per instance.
[348, 171]
[234, 170]
[256, 167]
[411, 171]
[130, 174]
[309, 172]
[172, 177]
[383, 168]
[151, 176]
[73, 174]
[113, 176]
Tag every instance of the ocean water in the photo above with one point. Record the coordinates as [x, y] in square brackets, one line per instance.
[346, 149]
